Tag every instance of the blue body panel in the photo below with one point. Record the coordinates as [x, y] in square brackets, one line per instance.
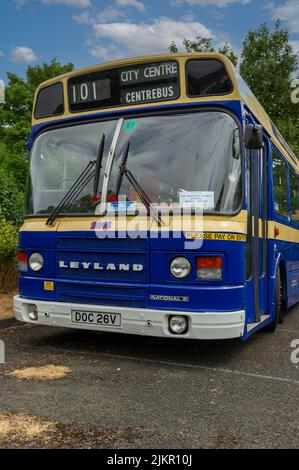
[130, 288]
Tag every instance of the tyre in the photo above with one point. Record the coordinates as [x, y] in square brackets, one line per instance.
[279, 304]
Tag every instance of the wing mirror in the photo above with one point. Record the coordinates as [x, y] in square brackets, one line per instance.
[254, 136]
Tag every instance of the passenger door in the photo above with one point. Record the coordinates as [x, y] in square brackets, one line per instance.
[257, 253]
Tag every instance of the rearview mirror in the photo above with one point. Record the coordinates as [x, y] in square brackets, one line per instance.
[253, 137]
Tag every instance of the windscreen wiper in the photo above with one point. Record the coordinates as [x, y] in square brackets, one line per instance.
[92, 170]
[123, 171]
[86, 176]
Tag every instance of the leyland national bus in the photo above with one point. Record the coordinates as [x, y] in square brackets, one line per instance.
[121, 142]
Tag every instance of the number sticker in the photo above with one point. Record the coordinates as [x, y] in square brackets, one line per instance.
[130, 125]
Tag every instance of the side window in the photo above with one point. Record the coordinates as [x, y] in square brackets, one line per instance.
[294, 185]
[280, 184]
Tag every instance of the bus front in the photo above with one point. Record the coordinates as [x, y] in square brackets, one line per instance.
[118, 154]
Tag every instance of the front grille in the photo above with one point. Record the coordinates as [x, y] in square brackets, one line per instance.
[123, 283]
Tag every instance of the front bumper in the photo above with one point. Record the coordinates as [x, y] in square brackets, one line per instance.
[137, 321]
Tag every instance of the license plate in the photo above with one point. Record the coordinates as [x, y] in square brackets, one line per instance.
[94, 318]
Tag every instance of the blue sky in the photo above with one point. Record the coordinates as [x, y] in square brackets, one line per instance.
[86, 32]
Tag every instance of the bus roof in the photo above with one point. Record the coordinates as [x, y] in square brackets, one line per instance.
[241, 92]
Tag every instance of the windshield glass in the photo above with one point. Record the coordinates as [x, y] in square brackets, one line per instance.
[57, 160]
[182, 159]
[176, 159]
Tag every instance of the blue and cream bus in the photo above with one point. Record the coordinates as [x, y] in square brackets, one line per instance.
[109, 143]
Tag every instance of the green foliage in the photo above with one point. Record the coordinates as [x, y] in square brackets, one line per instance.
[267, 65]
[205, 45]
[15, 123]
[13, 163]
[289, 127]
[8, 241]
[37, 75]
[11, 199]
[229, 53]
[15, 116]
[8, 251]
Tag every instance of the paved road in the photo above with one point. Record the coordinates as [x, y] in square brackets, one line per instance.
[126, 391]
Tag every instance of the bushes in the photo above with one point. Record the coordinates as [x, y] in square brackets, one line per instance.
[11, 216]
[11, 199]
[8, 240]
[8, 250]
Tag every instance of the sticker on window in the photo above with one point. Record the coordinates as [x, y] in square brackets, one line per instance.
[130, 125]
[122, 206]
[197, 198]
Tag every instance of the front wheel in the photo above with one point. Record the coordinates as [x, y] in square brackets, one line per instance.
[279, 304]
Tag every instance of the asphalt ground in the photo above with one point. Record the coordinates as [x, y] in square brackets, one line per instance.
[133, 392]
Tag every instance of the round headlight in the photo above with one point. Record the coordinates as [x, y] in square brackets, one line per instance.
[180, 267]
[178, 324]
[36, 262]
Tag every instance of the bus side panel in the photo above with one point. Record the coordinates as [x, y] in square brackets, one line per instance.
[292, 271]
[284, 254]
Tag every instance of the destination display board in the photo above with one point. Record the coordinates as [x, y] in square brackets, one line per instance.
[125, 86]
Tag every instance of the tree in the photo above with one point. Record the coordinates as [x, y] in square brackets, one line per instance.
[11, 200]
[205, 45]
[15, 116]
[268, 63]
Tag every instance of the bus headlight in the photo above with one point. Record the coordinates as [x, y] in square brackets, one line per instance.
[180, 267]
[178, 324]
[36, 262]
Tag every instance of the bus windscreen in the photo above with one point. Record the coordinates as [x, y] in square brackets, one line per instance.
[125, 86]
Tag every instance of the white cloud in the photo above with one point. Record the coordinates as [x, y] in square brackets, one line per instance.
[19, 3]
[83, 18]
[105, 53]
[132, 3]
[145, 38]
[23, 55]
[217, 3]
[69, 3]
[110, 14]
[100, 52]
[288, 12]
[295, 45]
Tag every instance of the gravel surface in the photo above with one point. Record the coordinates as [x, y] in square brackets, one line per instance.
[125, 391]
[6, 303]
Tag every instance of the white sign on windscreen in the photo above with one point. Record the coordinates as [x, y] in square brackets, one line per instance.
[205, 199]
